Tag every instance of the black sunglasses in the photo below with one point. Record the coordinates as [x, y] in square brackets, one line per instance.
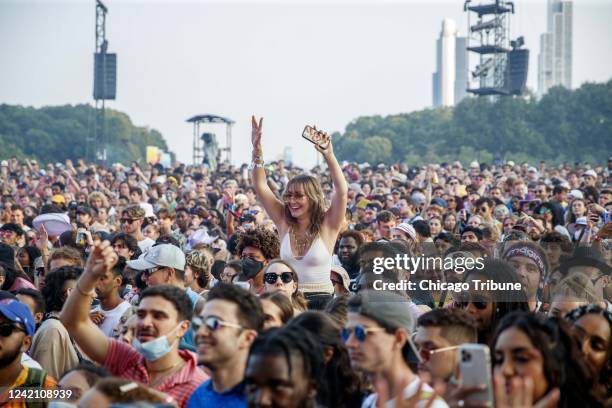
[129, 220]
[480, 305]
[271, 277]
[6, 329]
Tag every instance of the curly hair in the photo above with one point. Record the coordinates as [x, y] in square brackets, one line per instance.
[264, 240]
[97, 195]
[312, 190]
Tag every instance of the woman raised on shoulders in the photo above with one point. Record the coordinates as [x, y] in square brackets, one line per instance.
[307, 230]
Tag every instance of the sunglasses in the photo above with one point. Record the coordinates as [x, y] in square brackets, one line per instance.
[480, 305]
[7, 329]
[271, 277]
[360, 332]
[427, 354]
[213, 323]
[151, 271]
[129, 220]
[288, 196]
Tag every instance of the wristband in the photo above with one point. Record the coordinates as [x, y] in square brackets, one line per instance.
[255, 165]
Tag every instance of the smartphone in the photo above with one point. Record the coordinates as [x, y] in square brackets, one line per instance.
[475, 370]
[313, 135]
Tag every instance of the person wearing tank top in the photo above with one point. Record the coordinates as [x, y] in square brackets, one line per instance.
[307, 230]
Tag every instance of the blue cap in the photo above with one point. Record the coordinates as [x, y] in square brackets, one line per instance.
[18, 312]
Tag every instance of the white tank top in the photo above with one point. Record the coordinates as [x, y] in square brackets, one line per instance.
[313, 269]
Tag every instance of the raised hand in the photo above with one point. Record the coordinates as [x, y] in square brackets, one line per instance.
[101, 259]
[323, 143]
[256, 128]
[42, 239]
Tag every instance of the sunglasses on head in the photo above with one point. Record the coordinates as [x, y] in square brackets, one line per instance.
[7, 329]
[213, 323]
[272, 277]
[360, 331]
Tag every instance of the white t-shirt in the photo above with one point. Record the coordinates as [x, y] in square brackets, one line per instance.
[409, 391]
[111, 317]
[145, 244]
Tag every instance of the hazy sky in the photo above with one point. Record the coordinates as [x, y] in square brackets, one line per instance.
[293, 62]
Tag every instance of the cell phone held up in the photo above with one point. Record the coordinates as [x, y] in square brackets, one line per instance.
[475, 371]
[313, 135]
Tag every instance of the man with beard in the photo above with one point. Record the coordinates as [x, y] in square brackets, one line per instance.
[348, 252]
[229, 325]
[163, 317]
[530, 264]
[108, 313]
[16, 331]
[164, 264]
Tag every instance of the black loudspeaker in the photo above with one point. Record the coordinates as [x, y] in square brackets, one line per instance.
[516, 71]
[105, 76]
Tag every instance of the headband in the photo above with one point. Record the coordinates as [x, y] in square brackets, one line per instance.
[527, 252]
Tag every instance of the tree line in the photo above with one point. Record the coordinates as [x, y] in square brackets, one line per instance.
[564, 125]
[57, 133]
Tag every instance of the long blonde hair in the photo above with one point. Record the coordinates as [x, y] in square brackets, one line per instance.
[314, 194]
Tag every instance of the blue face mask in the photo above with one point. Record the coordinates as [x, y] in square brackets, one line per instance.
[154, 349]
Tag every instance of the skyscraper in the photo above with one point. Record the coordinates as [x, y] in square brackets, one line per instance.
[555, 59]
[449, 82]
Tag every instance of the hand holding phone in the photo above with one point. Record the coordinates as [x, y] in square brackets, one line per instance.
[320, 139]
[475, 371]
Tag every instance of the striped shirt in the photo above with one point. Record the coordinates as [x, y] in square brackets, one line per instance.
[124, 361]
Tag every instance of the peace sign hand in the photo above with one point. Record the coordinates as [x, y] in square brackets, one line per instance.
[256, 128]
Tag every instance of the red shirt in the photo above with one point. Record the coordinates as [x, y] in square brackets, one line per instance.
[124, 361]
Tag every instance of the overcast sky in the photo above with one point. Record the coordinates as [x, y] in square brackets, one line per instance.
[293, 62]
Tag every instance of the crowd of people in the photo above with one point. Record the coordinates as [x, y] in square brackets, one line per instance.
[262, 286]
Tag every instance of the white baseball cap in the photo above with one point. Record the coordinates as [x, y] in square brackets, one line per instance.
[166, 255]
[576, 194]
[590, 173]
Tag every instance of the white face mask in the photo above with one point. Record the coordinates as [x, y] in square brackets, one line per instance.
[155, 349]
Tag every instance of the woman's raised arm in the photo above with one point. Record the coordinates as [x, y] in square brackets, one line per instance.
[336, 213]
[273, 206]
